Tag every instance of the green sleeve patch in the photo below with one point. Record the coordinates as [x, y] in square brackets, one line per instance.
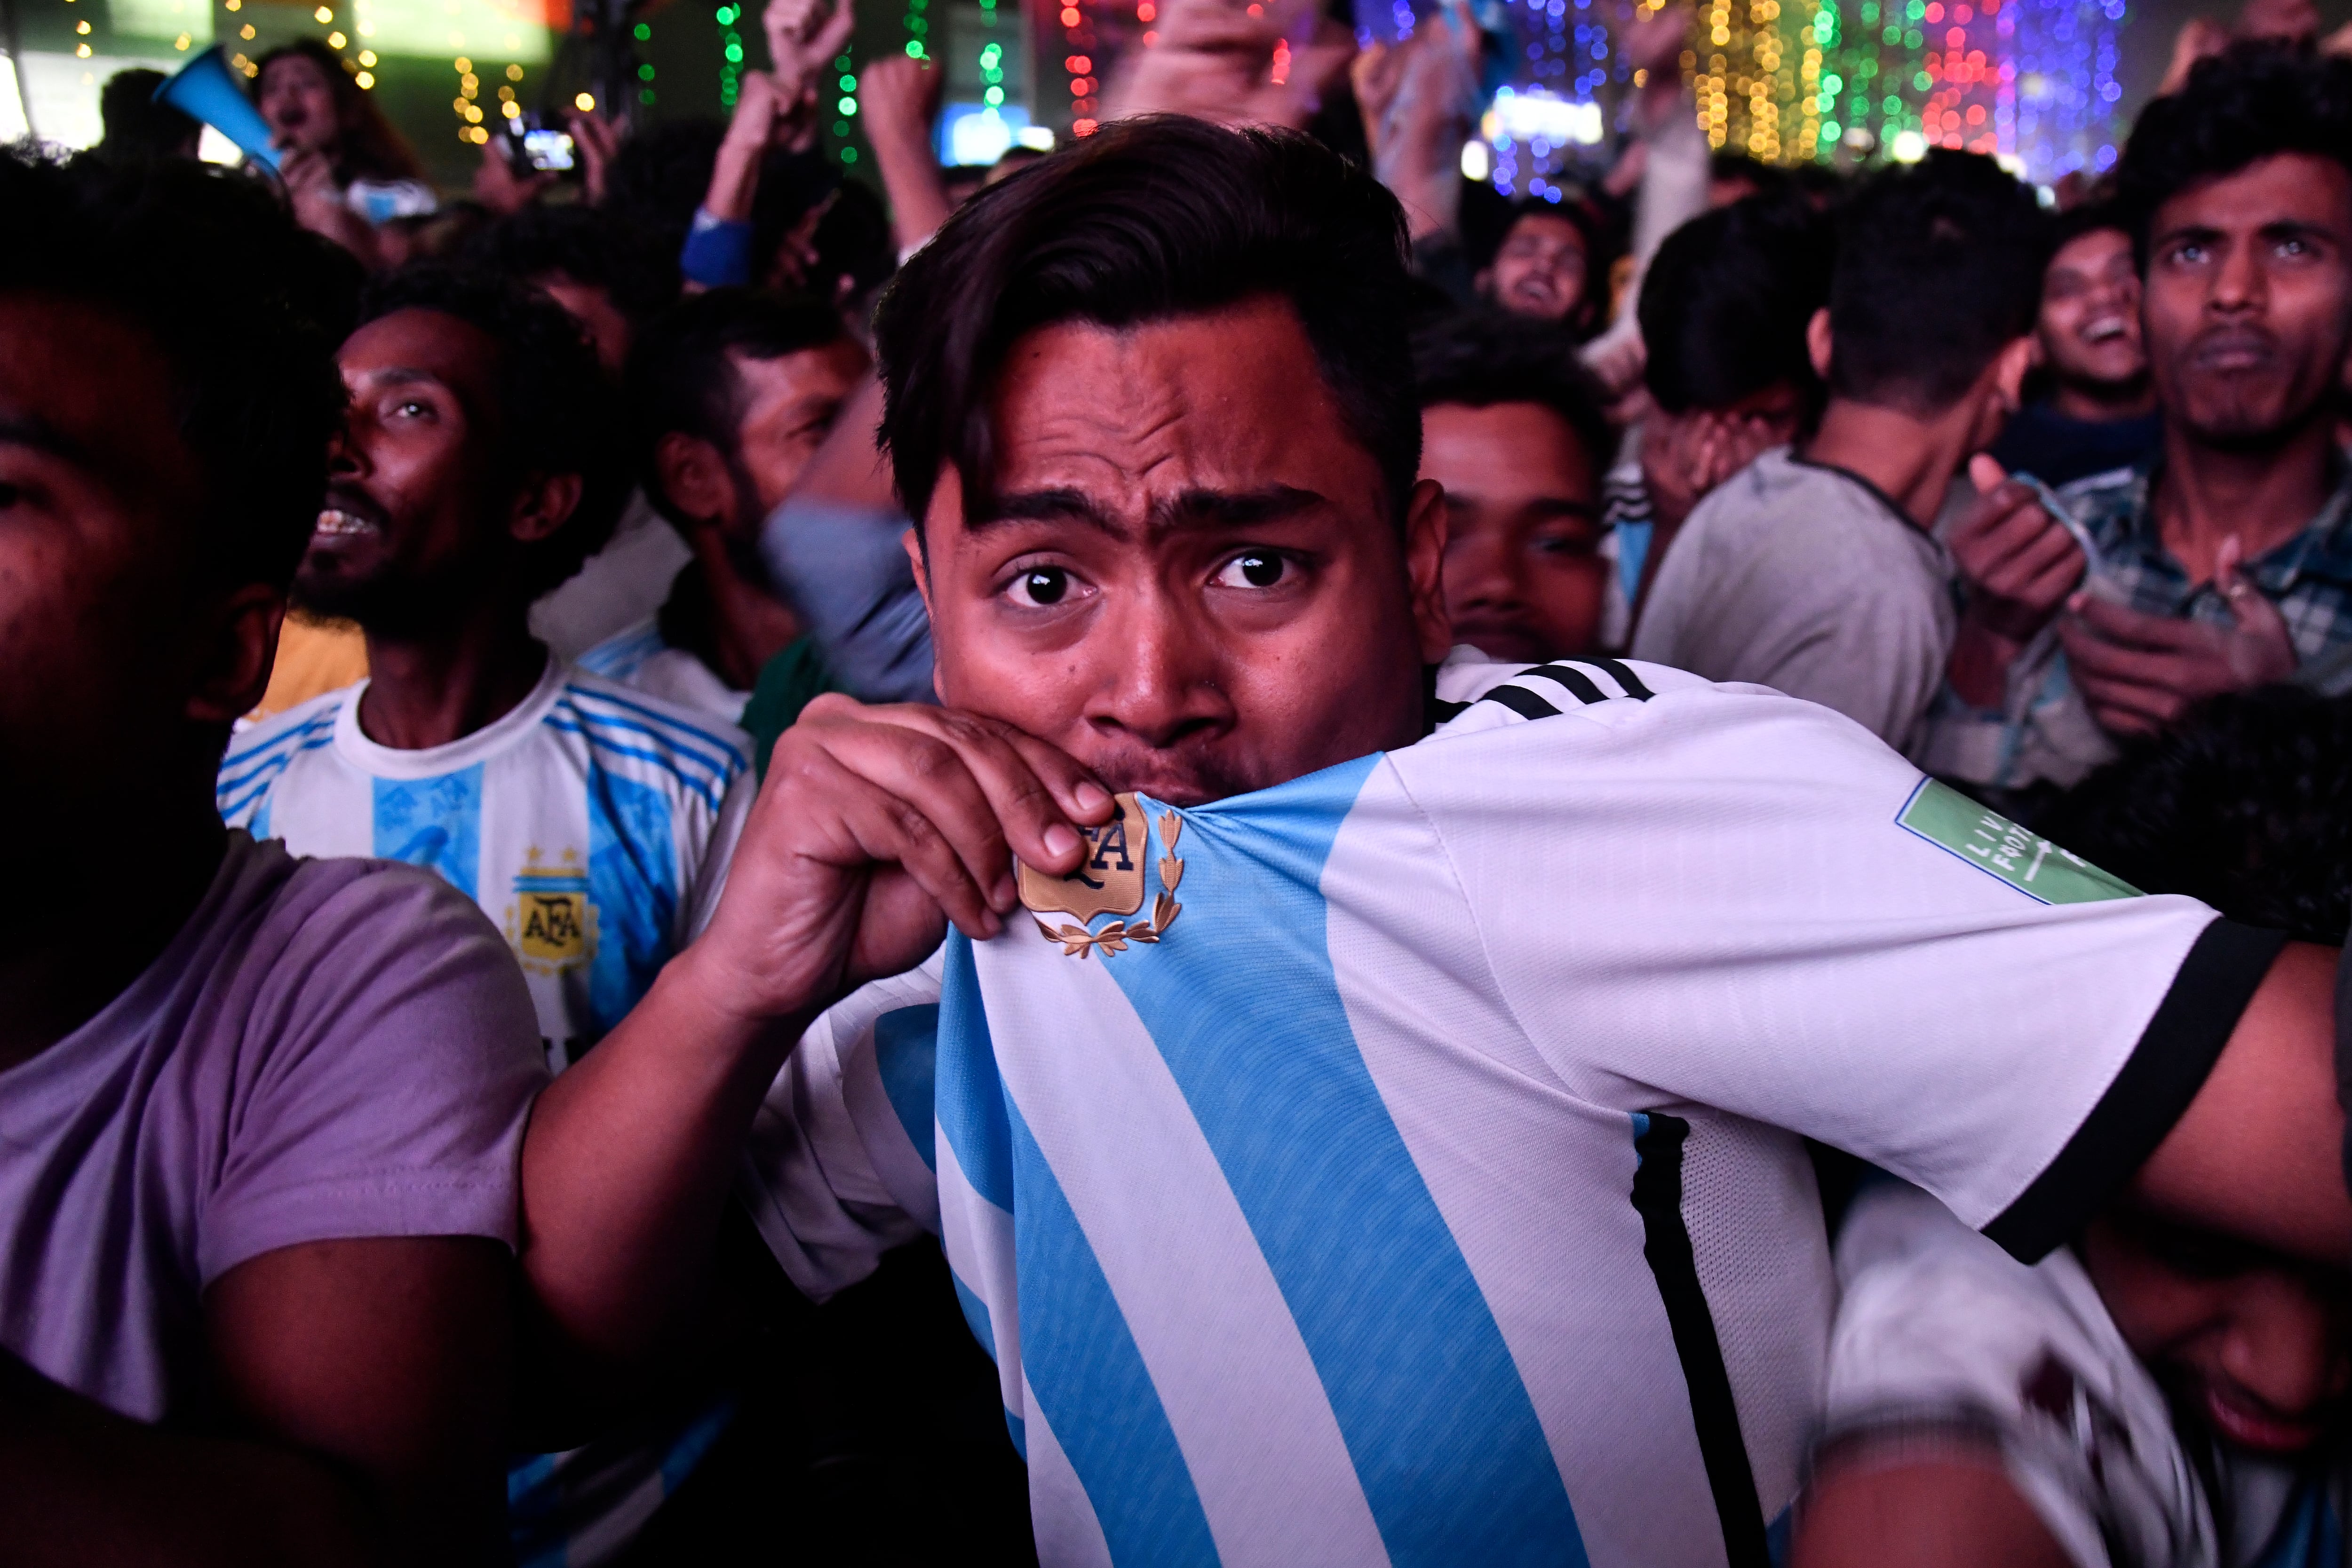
[1990, 841]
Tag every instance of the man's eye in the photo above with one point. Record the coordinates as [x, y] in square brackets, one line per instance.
[1042, 585]
[1258, 568]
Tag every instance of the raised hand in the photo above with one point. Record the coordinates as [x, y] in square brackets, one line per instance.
[877, 827]
[2019, 561]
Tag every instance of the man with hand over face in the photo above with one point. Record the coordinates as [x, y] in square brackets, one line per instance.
[1353, 1068]
[2225, 561]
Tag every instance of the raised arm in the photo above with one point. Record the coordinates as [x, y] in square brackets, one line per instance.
[877, 827]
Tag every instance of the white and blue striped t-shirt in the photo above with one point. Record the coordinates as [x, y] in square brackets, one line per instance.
[592, 824]
[1430, 1191]
[642, 659]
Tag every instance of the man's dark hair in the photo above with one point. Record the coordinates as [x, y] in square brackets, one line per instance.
[1762, 178]
[1938, 268]
[2087, 218]
[586, 244]
[1727, 299]
[557, 413]
[681, 377]
[2241, 805]
[136, 126]
[1148, 219]
[2253, 101]
[211, 267]
[1481, 357]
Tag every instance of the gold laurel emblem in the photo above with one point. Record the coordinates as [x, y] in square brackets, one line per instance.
[1110, 881]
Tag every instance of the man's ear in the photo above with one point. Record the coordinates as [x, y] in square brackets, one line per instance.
[2014, 363]
[1424, 566]
[692, 474]
[1818, 342]
[234, 648]
[544, 504]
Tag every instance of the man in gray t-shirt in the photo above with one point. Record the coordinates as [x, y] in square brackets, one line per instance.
[1815, 569]
[259, 1118]
[1808, 580]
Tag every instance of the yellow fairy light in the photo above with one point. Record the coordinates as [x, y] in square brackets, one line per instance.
[514, 73]
[367, 57]
[336, 40]
[323, 15]
[365, 78]
[585, 103]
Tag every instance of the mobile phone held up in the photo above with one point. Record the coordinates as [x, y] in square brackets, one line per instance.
[536, 148]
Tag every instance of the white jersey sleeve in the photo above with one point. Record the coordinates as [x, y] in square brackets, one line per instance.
[839, 1167]
[1704, 895]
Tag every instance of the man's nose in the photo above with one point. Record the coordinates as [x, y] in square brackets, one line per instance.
[2240, 283]
[1166, 682]
[1478, 573]
[345, 454]
[2285, 1346]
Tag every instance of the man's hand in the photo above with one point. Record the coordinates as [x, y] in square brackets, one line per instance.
[597, 137]
[803, 36]
[2140, 672]
[2019, 561]
[496, 185]
[878, 825]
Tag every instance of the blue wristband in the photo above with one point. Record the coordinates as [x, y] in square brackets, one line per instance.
[717, 252]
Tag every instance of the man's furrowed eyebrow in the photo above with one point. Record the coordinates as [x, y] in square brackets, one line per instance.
[1042, 507]
[2295, 228]
[1216, 510]
[1221, 509]
[40, 436]
[403, 376]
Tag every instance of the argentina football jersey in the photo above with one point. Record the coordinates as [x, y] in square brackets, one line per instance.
[593, 823]
[1403, 1163]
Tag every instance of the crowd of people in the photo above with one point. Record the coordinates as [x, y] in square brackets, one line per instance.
[1215, 850]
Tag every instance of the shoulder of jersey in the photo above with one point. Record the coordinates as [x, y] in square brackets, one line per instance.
[700, 751]
[256, 757]
[1479, 695]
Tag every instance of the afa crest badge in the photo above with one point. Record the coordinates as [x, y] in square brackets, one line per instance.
[551, 924]
[1110, 881]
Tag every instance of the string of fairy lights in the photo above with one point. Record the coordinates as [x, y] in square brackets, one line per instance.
[1784, 81]
[2028, 80]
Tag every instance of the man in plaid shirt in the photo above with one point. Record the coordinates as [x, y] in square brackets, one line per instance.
[2227, 562]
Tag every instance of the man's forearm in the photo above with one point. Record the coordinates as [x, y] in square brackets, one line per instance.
[910, 174]
[80, 1484]
[629, 1159]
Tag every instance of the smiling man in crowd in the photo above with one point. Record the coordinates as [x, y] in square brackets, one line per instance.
[479, 461]
[2226, 561]
[261, 1114]
[2098, 411]
[1354, 1109]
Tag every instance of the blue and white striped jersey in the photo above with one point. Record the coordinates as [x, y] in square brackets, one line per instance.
[592, 824]
[640, 658]
[1428, 1188]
